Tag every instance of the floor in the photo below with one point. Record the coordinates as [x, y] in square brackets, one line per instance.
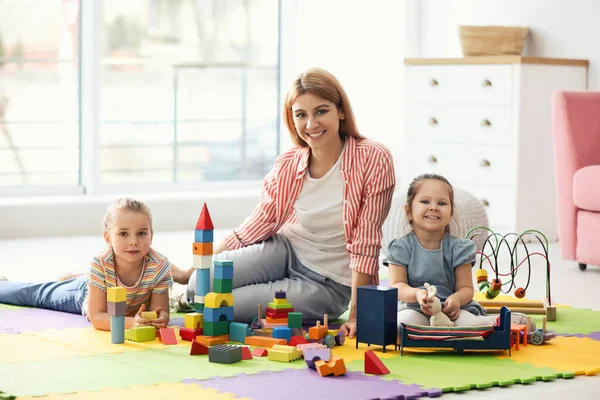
[44, 259]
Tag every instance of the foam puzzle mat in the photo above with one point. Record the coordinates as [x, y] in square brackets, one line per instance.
[51, 355]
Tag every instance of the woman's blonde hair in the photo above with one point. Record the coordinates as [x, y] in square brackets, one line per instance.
[323, 84]
[125, 204]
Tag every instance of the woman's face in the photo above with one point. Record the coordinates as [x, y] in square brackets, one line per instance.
[317, 121]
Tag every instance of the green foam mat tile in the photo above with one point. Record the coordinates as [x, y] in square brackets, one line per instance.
[572, 320]
[10, 307]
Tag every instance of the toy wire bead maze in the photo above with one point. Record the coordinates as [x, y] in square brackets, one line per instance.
[491, 289]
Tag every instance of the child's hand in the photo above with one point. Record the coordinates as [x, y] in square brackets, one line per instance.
[424, 301]
[452, 307]
[160, 321]
[138, 320]
[349, 328]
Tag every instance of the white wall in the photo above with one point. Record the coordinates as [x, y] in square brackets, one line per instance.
[559, 28]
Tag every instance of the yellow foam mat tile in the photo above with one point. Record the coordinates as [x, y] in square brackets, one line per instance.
[349, 352]
[579, 355]
[158, 391]
[19, 348]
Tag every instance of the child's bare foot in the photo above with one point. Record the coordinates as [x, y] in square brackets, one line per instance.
[181, 276]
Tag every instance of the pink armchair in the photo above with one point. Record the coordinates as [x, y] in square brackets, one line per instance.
[576, 131]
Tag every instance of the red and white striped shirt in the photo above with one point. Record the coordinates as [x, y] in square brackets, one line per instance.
[368, 172]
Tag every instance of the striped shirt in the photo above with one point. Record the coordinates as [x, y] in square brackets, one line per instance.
[368, 172]
[154, 279]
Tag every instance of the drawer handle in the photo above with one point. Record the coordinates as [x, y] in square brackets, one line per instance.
[433, 83]
[486, 83]
[485, 164]
[485, 203]
[486, 122]
[433, 121]
[432, 160]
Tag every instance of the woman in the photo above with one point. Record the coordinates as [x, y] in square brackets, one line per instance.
[316, 231]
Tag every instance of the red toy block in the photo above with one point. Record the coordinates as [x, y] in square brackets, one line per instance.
[198, 348]
[204, 222]
[260, 352]
[373, 365]
[296, 340]
[278, 312]
[167, 336]
[190, 334]
[246, 355]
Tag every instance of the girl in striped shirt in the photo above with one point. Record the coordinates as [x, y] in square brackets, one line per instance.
[129, 261]
[316, 231]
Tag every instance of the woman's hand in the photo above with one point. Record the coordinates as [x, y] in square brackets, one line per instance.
[424, 301]
[349, 328]
[452, 307]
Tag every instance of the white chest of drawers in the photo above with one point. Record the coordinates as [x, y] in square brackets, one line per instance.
[485, 124]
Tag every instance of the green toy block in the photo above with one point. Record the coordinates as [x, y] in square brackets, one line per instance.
[222, 285]
[216, 328]
[295, 320]
[276, 306]
[140, 334]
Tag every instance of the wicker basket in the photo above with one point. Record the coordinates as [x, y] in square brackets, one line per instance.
[492, 40]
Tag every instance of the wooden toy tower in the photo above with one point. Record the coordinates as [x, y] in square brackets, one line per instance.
[203, 252]
[117, 306]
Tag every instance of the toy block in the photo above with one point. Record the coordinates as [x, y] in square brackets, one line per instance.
[167, 336]
[278, 321]
[202, 282]
[116, 294]
[198, 348]
[296, 340]
[278, 312]
[216, 300]
[203, 235]
[263, 341]
[280, 294]
[280, 305]
[551, 313]
[225, 354]
[263, 332]
[297, 332]
[282, 332]
[117, 329]
[317, 332]
[304, 346]
[284, 353]
[199, 307]
[141, 334]
[223, 263]
[223, 272]
[218, 328]
[149, 315]
[314, 354]
[204, 220]
[116, 309]
[295, 320]
[373, 365]
[246, 354]
[280, 300]
[239, 331]
[202, 262]
[202, 249]
[271, 325]
[335, 366]
[212, 340]
[217, 314]
[377, 316]
[198, 299]
[190, 334]
[193, 320]
[260, 352]
[222, 285]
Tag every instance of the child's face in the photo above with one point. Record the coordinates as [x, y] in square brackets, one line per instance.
[130, 236]
[431, 209]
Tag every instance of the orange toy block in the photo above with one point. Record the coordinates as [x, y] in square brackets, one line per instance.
[203, 249]
[276, 320]
[373, 365]
[246, 355]
[263, 341]
[335, 366]
[317, 332]
[167, 336]
[296, 340]
[198, 348]
[212, 340]
[260, 352]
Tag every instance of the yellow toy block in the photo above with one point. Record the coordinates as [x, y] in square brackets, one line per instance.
[193, 320]
[203, 249]
[284, 353]
[279, 301]
[116, 294]
[216, 300]
[149, 315]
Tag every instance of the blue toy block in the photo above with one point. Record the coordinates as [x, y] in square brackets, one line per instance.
[223, 272]
[239, 331]
[282, 332]
[117, 329]
[218, 314]
[377, 316]
[203, 236]
[223, 263]
[202, 282]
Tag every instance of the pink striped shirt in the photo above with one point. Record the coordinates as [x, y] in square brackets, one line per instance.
[368, 172]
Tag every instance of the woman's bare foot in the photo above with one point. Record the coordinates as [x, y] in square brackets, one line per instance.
[181, 276]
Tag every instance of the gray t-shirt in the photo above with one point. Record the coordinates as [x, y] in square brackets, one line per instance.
[435, 267]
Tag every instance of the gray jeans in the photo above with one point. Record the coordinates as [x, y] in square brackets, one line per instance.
[264, 268]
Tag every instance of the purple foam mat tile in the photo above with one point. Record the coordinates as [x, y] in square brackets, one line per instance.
[306, 383]
[177, 322]
[591, 335]
[35, 319]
